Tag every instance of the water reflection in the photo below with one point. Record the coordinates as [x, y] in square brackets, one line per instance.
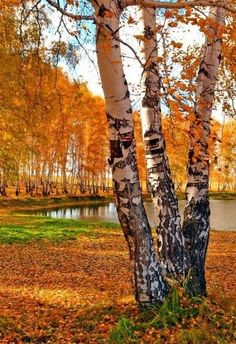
[223, 213]
[102, 212]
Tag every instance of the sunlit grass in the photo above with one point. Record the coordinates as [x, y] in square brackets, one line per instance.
[21, 228]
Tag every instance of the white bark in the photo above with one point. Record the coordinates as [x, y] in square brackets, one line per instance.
[168, 223]
[196, 216]
[148, 282]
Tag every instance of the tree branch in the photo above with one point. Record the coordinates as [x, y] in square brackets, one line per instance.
[69, 14]
[179, 4]
[118, 39]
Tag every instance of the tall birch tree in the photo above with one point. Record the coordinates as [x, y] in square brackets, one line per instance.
[168, 222]
[147, 279]
[196, 224]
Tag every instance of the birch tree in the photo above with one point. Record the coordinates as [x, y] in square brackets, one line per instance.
[196, 224]
[148, 281]
[168, 222]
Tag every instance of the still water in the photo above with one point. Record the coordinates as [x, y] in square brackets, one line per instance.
[223, 213]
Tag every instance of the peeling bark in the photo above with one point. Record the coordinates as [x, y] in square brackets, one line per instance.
[149, 284]
[196, 224]
[168, 222]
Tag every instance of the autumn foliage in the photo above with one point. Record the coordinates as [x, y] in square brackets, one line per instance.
[54, 138]
[63, 281]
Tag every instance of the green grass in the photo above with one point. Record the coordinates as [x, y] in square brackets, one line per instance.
[23, 228]
[123, 332]
[193, 321]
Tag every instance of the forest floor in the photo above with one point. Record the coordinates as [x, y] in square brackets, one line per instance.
[65, 281]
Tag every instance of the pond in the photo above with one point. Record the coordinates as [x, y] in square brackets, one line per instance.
[223, 213]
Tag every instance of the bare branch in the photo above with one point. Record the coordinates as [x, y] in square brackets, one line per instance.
[69, 14]
[81, 45]
[30, 11]
[179, 4]
[118, 39]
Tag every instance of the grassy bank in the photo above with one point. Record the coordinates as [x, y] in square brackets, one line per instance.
[66, 281]
[30, 203]
[24, 228]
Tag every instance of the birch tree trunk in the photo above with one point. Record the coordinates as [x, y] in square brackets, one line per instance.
[168, 222]
[148, 282]
[196, 224]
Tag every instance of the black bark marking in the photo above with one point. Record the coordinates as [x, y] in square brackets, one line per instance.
[150, 101]
[196, 246]
[102, 11]
[130, 189]
[150, 132]
[156, 168]
[191, 155]
[117, 123]
[153, 68]
[127, 94]
[126, 139]
[153, 142]
[154, 146]
[120, 5]
[203, 70]
[116, 151]
[127, 144]
[148, 33]
[156, 151]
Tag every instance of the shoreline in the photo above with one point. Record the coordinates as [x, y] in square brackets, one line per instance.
[35, 203]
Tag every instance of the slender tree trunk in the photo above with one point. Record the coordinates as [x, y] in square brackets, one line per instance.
[168, 222]
[17, 190]
[3, 183]
[148, 282]
[64, 176]
[197, 212]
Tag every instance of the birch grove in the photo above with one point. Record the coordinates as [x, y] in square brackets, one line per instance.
[181, 249]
